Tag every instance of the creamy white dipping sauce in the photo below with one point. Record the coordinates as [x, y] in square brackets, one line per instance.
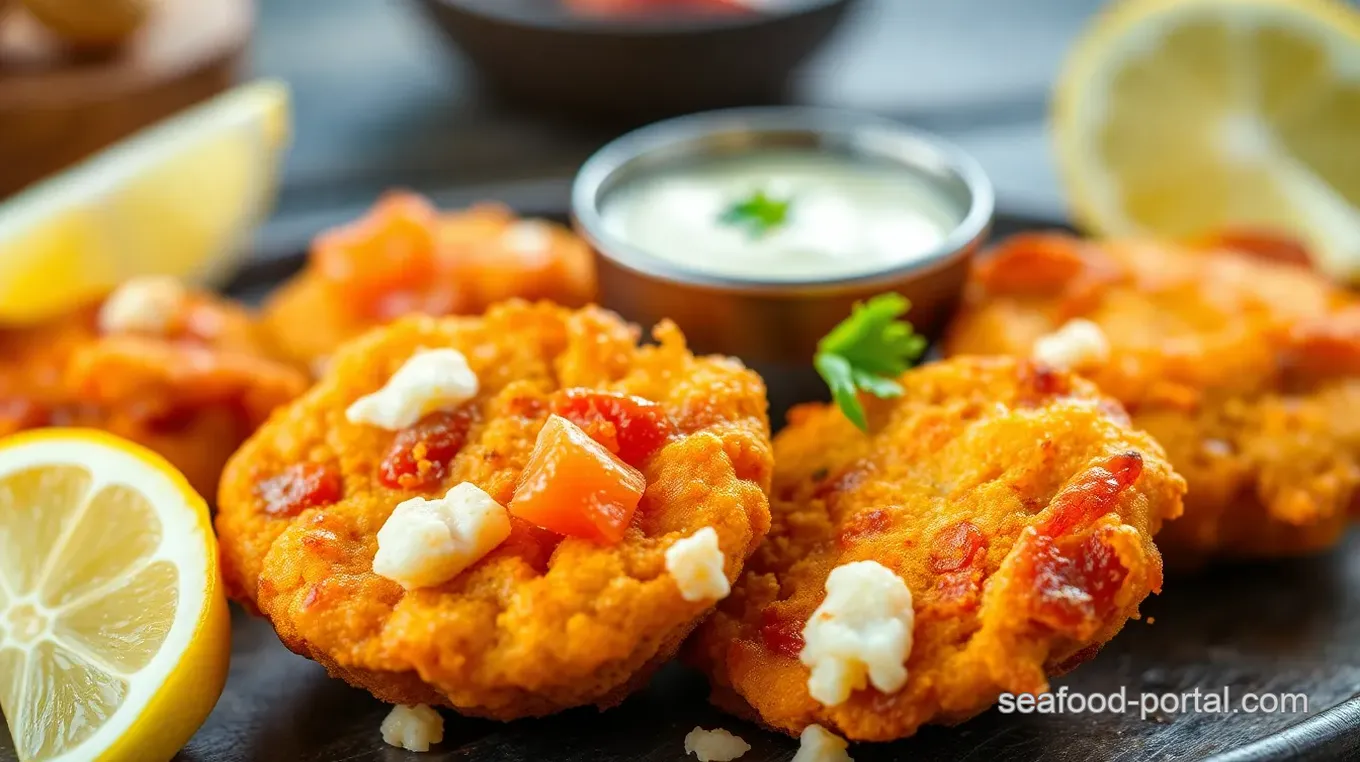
[841, 216]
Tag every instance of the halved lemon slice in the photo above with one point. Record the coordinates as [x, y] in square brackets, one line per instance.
[1181, 118]
[114, 632]
[180, 199]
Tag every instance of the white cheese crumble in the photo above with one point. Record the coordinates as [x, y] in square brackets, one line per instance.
[861, 630]
[413, 728]
[1078, 344]
[432, 379]
[817, 744]
[428, 542]
[148, 304]
[715, 745]
[528, 237]
[696, 563]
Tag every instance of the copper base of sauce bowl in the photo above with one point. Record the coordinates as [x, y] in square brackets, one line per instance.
[775, 324]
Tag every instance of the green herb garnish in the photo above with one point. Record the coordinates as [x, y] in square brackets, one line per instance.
[866, 352]
[758, 213]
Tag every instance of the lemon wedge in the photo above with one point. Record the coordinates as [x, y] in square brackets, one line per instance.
[1181, 118]
[114, 632]
[179, 199]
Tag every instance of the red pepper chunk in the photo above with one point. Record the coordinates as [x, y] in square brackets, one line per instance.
[630, 427]
[299, 487]
[780, 635]
[863, 525]
[955, 546]
[1074, 582]
[573, 486]
[957, 553]
[1092, 494]
[420, 454]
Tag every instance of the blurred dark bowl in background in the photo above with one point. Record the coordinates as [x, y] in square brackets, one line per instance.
[538, 53]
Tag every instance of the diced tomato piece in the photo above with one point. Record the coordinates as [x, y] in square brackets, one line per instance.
[1073, 580]
[1092, 494]
[849, 478]
[389, 251]
[1032, 263]
[299, 487]
[781, 635]
[1269, 245]
[956, 546]
[420, 454]
[572, 485]
[17, 413]
[863, 525]
[631, 427]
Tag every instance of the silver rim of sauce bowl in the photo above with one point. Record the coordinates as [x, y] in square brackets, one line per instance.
[736, 131]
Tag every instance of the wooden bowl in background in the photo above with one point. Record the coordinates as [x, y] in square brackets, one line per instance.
[58, 106]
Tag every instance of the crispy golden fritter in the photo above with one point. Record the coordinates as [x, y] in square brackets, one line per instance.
[404, 257]
[542, 623]
[192, 395]
[1246, 370]
[1016, 503]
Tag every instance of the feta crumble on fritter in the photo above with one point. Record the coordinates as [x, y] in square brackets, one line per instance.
[432, 379]
[696, 563]
[861, 630]
[715, 745]
[428, 542]
[148, 304]
[1078, 344]
[817, 744]
[413, 728]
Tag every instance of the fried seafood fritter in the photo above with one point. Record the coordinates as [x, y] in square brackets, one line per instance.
[406, 257]
[542, 622]
[1246, 370]
[1016, 505]
[182, 372]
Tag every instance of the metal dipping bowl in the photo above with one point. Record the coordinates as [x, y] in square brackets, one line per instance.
[774, 325]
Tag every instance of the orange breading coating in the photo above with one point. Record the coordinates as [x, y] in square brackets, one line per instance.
[405, 257]
[1016, 503]
[193, 394]
[1244, 366]
[543, 622]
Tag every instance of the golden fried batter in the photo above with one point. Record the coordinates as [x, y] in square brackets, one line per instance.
[192, 393]
[543, 622]
[1246, 370]
[405, 257]
[1015, 502]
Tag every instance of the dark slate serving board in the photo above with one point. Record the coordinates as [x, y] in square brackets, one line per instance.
[1282, 627]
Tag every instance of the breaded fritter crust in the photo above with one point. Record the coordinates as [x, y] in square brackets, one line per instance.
[454, 263]
[192, 395]
[1017, 504]
[542, 623]
[1246, 370]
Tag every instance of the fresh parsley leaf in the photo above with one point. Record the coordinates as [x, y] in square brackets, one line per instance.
[758, 213]
[867, 352]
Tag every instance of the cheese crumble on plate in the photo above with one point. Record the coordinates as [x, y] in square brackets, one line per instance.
[715, 745]
[413, 728]
[817, 744]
